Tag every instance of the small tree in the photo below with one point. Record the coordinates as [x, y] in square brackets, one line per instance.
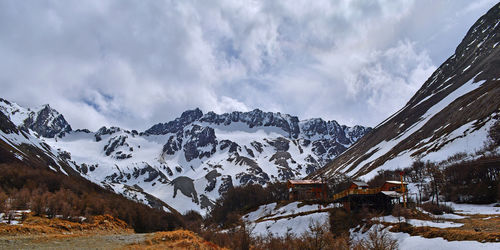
[318, 237]
[418, 176]
[379, 239]
[3, 202]
[494, 133]
[401, 214]
[437, 179]
[338, 182]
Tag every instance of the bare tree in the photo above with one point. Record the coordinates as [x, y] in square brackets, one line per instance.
[437, 179]
[418, 176]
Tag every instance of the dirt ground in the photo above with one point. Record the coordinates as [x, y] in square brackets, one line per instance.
[112, 241]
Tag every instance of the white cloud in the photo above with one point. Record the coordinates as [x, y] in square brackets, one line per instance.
[135, 63]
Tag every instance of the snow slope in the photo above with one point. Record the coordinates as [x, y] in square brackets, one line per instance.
[191, 161]
[451, 113]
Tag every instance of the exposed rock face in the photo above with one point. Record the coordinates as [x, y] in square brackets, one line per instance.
[199, 137]
[186, 185]
[256, 118]
[6, 125]
[449, 114]
[227, 183]
[212, 180]
[176, 125]
[45, 121]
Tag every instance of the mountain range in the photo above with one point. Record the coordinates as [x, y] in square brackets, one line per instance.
[187, 163]
[200, 155]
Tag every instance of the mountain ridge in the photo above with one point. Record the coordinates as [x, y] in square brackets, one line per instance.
[449, 114]
[193, 159]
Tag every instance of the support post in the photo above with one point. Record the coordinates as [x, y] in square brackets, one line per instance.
[403, 189]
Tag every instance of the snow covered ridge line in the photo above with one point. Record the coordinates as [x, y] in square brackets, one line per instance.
[289, 126]
[450, 113]
[190, 162]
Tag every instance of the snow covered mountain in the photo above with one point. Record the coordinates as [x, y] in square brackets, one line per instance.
[43, 121]
[190, 161]
[450, 114]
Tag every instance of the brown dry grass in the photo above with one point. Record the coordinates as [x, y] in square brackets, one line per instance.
[34, 225]
[179, 239]
[480, 228]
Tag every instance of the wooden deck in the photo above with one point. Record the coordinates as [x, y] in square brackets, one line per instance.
[347, 192]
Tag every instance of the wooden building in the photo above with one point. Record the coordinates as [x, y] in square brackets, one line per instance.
[394, 186]
[358, 185]
[360, 195]
[306, 189]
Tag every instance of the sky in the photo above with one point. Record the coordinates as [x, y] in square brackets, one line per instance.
[136, 63]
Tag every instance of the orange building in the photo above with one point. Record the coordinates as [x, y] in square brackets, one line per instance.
[306, 189]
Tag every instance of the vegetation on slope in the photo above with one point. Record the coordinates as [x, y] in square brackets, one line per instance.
[48, 193]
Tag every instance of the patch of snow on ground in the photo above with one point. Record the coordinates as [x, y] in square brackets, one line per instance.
[418, 223]
[475, 208]
[270, 211]
[450, 216]
[296, 225]
[424, 223]
[262, 211]
[409, 242]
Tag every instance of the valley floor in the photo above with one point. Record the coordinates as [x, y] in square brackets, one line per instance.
[112, 241]
[102, 232]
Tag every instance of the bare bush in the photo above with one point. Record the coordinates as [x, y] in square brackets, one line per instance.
[379, 239]
[436, 209]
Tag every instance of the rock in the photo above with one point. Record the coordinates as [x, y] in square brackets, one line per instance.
[186, 185]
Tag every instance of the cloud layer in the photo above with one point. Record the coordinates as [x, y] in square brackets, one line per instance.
[135, 63]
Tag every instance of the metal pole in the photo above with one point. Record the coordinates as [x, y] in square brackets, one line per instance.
[403, 189]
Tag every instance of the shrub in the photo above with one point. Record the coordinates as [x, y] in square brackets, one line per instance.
[341, 221]
[379, 239]
[436, 209]
[401, 213]
[193, 221]
[494, 133]
[474, 181]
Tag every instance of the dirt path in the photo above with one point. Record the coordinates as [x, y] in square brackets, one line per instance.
[113, 241]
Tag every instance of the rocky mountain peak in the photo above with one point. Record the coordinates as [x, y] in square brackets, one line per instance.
[190, 116]
[44, 120]
[47, 122]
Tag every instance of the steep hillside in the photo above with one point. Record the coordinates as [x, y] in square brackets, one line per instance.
[38, 178]
[451, 112]
[190, 161]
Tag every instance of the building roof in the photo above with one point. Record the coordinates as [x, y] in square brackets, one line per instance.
[391, 193]
[397, 182]
[360, 183]
[305, 182]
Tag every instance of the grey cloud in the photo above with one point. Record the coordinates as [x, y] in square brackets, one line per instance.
[135, 63]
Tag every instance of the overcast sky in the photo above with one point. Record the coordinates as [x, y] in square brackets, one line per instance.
[136, 63]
